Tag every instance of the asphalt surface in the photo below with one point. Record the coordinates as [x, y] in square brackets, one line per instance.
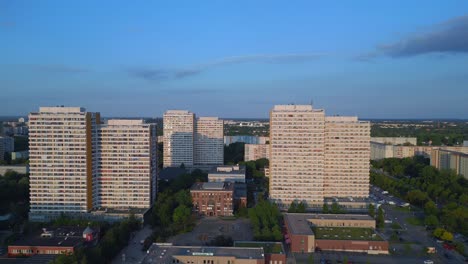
[133, 253]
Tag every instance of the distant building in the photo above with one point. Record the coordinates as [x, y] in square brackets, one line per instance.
[395, 140]
[208, 145]
[196, 143]
[227, 173]
[17, 155]
[313, 156]
[228, 140]
[20, 169]
[448, 159]
[165, 253]
[2, 150]
[383, 151]
[179, 128]
[62, 240]
[256, 151]
[8, 144]
[465, 143]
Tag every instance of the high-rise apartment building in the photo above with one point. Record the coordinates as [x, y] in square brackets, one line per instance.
[81, 167]
[196, 143]
[127, 165]
[178, 138]
[313, 156]
[347, 154]
[62, 146]
[209, 143]
[296, 154]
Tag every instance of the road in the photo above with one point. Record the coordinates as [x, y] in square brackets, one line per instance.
[133, 253]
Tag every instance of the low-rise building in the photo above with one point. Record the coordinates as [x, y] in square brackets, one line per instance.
[167, 254]
[396, 140]
[20, 169]
[62, 240]
[218, 198]
[227, 173]
[343, 232]
[274, 251]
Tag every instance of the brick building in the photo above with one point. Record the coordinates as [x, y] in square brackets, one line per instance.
[218, 198]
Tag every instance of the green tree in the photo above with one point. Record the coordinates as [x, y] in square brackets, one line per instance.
[325, 209]
[371, 210]
[460, 247]
[182, 215]
[431, 220]
[301, 207]
[447, 236]
[276, 232]
[335, 208]
[438, 232]
[292, 207]
[430, 208]
[380, 218]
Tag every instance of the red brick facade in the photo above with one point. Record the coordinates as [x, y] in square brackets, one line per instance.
[213, 202]
[14, 251]
[353, 245]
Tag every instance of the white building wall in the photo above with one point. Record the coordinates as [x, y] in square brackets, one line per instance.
[178, 138]
[209, 143]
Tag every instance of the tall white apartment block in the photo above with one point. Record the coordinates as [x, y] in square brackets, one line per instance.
[313, 156]
[61, 154]
[347, 155]
[209, 143]
[296, 154]
[178, 138]
[127, 165]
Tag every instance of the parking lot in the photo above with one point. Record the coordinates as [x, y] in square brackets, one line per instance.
[209, 227]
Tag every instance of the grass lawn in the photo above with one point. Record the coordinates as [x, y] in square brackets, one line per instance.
[415, 221]
[267, 247]
[345, 233]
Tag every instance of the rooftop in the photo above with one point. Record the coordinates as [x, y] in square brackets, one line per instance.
[59, 237]
[213, 186]
[299, 223]
[345, 233]
[228, 169]
[126, 122]
[163, 253]
[268, 247]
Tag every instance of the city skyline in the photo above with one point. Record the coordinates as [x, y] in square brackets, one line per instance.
[396, 60]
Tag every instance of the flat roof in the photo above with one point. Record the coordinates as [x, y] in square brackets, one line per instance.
[212, 186]
[268, 247]
[299, 223]
[163, 254]
[62, 237]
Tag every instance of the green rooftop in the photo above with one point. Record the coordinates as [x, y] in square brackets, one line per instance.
[345, 233]
[268, 247]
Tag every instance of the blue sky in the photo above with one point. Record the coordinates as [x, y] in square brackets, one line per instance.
[374, 59]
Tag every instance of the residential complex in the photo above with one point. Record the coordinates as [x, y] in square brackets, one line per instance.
[79, 166]
[448, 159]
[195, 143]
[179, 126]
[62, 148]
[256, 151]
[127, 165]
[396, 140]
[245, 139]
[313, 156]
[227, 173]
[209, 147]
[346, 171]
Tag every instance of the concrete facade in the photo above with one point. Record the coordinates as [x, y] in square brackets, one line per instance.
[209, 143]
[256, 151]
[313, 156]
[62, 147]
[179, 127]
[196, 143]
[448, 159]
[383, 151]
[227, 173]
[127, 165]
[21, 169]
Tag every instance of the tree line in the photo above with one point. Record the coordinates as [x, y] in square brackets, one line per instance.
[441, 193]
